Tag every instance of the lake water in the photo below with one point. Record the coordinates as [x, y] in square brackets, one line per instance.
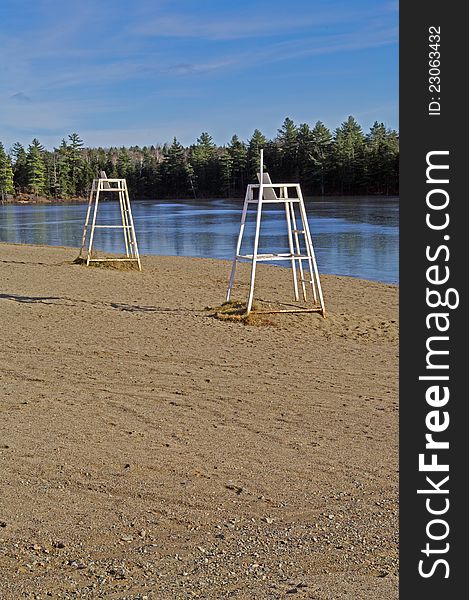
[356, 236]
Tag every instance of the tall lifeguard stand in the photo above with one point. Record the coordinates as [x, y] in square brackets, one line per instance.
[119, 187]
[299, 241]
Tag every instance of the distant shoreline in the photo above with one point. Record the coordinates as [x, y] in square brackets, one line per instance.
[32, 199]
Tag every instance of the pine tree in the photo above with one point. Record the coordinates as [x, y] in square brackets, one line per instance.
[20, 167]
[177, 172]
[110, 167]
[348, 162]
[101, 158]
[349, 144]
[226, 173]
[6, 174]
[75, 162]
[320, 155]
[50, 165]
[149, 179]
[272, 159]
[305, 151]
[86, 176]
[238, 154]
[257, 142]
[381, 159]
[287, 142]
[123, 164]
[36, 168]
[62, 164]
[204, 161]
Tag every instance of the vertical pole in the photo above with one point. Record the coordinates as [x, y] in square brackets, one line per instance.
[124, 218]
[309, 242]
[312, 272]
[93, 224]
[85, 228]
[290, 243]
[131, 235]
[298, 250]
[256, 237]
[247, 197]
[132, 227]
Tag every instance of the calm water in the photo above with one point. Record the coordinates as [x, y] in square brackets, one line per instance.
[352, 236]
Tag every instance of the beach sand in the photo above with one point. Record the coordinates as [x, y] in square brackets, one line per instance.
[149, 450]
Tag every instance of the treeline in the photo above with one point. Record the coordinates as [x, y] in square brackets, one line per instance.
[346, 161]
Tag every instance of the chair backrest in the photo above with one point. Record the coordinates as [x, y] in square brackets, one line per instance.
[106, 184]
[269, 193]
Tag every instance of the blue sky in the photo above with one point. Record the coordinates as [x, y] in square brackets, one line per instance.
[125, 72]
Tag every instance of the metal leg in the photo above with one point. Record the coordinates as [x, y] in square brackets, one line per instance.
[85, 228]
[254, 254]
[256, 237]
[92, 227]
[308, 254]
[239, 242]
[131, 231]
[125, 224]
[298, 250]
[312, 259]
[290, 244]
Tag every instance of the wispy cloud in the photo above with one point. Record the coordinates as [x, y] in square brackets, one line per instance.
[357, 40]
[20, 97]
[71, 66]
[102, 74]
[236, 26]
[179, 26]
[293, 49]
[188, 69]
[116, 58]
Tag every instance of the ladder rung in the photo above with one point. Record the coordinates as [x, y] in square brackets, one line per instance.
[307, 281]
[298, 230]
[112, 226]
[111, 259]
[286, 256]
[276, 201]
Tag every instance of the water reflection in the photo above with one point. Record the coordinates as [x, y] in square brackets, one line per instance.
[352, 236]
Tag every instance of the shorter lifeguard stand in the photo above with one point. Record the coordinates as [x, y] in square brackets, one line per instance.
[299, 241]
[119, 187]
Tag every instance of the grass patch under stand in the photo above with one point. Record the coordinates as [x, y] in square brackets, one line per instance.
[236, 312]
[116, 265]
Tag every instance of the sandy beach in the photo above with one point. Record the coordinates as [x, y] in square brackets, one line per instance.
[149, 450]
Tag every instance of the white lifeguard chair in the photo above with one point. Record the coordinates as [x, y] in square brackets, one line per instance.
[298, 251]
[119, 187]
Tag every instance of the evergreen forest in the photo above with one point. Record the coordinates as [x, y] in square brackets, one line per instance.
[346, 161]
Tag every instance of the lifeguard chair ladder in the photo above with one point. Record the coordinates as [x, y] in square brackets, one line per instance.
[298, 252]
[119, 186]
